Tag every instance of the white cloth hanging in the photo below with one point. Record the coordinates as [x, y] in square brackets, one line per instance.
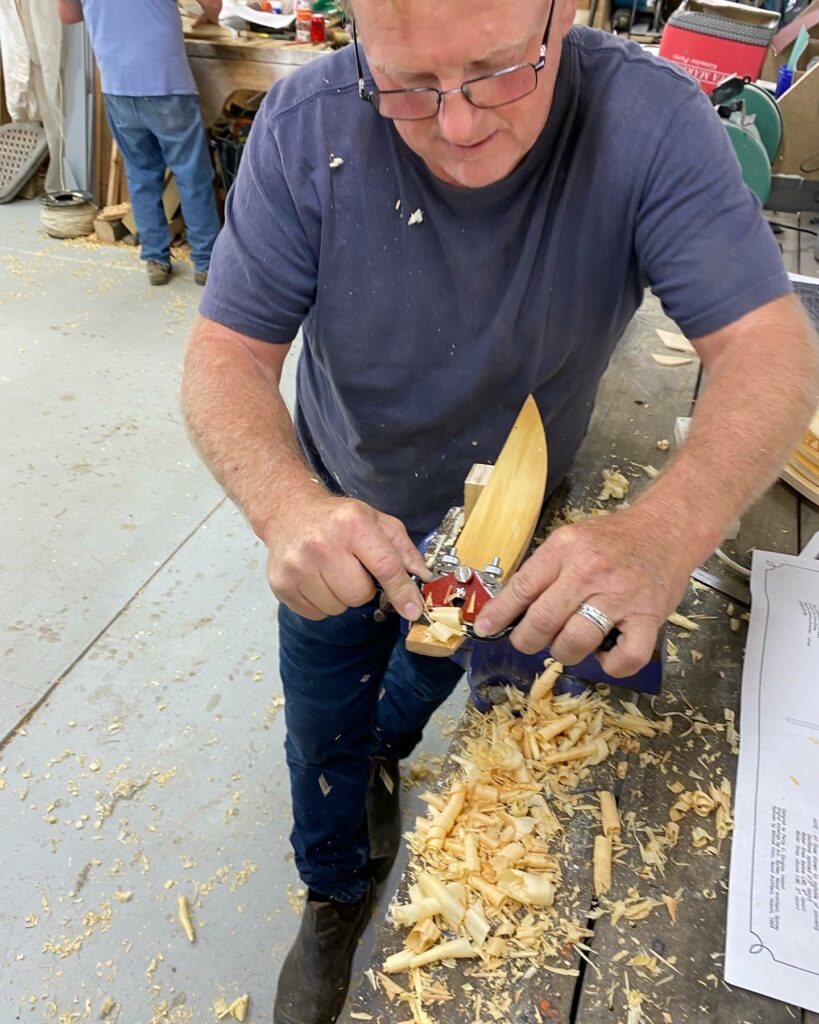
[44, 33]
[14, 49]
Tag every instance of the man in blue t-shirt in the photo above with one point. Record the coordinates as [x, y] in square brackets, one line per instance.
[153, 109]
[465, 210]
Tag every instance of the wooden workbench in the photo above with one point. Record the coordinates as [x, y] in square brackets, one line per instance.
[222, 62]
[636, 407]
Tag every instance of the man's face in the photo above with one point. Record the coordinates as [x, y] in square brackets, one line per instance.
[443, 43]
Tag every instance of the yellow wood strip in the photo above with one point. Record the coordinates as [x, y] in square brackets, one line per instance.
[505, 514]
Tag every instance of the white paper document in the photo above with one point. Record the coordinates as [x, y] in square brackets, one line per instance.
[773, 898]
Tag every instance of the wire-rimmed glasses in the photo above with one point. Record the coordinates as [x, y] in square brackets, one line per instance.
[487, 91]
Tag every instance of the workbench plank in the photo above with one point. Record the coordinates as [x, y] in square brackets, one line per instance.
[707, 687]
[772, 522]
[697, 941]
[808, 521]
[637, 404]
[636, 407]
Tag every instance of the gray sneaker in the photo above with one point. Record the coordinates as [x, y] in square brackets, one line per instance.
[158, 273]
[201, 277]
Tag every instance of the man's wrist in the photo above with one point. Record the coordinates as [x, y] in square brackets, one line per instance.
[691, 522]
[267, 520]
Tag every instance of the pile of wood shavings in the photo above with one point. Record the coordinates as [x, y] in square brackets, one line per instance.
[487, 857]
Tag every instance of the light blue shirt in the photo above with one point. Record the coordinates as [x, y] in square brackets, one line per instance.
[139, 47]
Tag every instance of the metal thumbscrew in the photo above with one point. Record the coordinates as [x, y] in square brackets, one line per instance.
[450, 560]
[462, 573]
[494, 570]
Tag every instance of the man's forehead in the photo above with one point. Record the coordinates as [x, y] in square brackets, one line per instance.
[418, 35]
[488, 55]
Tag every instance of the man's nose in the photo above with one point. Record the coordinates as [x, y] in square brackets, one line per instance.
[457, 119]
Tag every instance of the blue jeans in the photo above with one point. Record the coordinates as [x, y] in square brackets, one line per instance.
[155, 132]
[351, 690]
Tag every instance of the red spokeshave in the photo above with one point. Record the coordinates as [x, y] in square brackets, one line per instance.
[463, 587]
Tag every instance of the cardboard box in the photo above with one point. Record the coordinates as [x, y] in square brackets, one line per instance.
[713, 39]
[602, 14]
[782, 43]
[799, 107]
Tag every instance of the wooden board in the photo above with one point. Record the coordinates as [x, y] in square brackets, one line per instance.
[223, 65]
[476, 480]
[508, 508]
[806, 466]
[791, 475]
[505, 514]
[809, 449]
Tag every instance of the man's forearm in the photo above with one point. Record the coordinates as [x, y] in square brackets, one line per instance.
[70, 11]
[745, 425]
[211, 9]
[241, 427]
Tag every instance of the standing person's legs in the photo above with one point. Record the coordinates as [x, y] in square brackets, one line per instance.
[332, 673]
[145, 172]
[177, 124]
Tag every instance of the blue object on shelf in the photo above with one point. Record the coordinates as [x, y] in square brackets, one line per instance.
[784, 80]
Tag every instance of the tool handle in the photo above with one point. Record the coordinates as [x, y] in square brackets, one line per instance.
[385, 607]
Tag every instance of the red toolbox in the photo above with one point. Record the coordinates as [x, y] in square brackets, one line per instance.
[712, 39]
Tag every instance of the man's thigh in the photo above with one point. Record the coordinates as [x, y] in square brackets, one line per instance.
[176, 122]
[414, 686]
[139, 146]
[332, 672]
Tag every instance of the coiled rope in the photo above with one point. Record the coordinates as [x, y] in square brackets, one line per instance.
[67, 214]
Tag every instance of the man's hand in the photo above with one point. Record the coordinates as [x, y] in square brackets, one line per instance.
[70, 11]
[619, 563]
[211, 9]
[325, 558]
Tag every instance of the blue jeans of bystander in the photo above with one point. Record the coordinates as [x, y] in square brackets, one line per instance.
[351, 690]
[155, 132]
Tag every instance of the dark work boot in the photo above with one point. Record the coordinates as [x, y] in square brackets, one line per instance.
[315, 975]
[158, 273]
[383, 815]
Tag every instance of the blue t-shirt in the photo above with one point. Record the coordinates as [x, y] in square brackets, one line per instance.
[139, 47]
[421, 341]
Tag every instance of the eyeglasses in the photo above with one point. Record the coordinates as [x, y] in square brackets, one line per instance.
[487, 91]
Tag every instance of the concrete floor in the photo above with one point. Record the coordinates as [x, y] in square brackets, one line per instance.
[140, 705]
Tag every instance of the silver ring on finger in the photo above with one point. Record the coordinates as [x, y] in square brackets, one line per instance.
[600, 619]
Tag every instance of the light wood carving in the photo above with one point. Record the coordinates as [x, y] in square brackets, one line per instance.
[791, 475]
[802, 470]
[474, 484]
[505, 514]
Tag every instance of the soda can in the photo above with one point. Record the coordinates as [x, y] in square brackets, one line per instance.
[318, 31]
